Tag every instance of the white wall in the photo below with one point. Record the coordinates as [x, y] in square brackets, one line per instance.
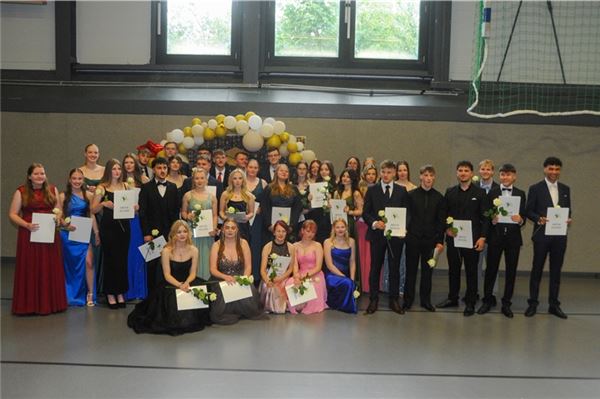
[27, 33]
[113, 32]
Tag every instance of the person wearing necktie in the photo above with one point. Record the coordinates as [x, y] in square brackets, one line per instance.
[548, 193]
[503, 238]
[143, 158]
[220, 170]
[378, 197]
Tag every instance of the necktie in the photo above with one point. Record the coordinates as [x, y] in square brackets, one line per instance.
[387, 191]
[220, 177]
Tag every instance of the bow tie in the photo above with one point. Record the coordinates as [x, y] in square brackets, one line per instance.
[164, 184]
[506, 189]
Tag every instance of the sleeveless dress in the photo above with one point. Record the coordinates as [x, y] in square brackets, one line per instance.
[340, 290]
[256, 234]
[39, 282]
[275, 298]
[136, 265]
[96, 249]
[230, 313]
[305, 263]
[240, 206]
[114, 235]
[202, 243]
[74, 254]
[158, 313]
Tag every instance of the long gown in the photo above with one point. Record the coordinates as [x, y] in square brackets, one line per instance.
[230, 313]
[114, 235]
[202, 243]
[340, 290]
[275, 298]
[74, 255]
[39, 282]
[96, 249]
[256, 233]
[364, 254]
[136, 265]
[305, 263]
[240, 206]
[158, 313]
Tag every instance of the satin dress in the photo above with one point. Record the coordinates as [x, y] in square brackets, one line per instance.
[305, 263]
[340, 290]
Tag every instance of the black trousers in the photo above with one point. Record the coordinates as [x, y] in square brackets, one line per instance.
[501, 244]
[416, 249]
[456, 256]
[555, 246]
[378, 250]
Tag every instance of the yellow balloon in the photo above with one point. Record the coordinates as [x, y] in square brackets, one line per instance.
[284, 136]
[292, 147]
[239, 117]
[295, 158]
[209, 134]
[248, 115]
[182, 149]
[220, 131]
[196, 121]
[220, 118]
[274, 141]
[160, 154]
[187, 132]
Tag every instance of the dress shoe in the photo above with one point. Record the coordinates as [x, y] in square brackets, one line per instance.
[507, 312]
[469, 310]
[113, 305]
[406, 306]
[531, 310]
[556, 311]
[484, 308]
[372, 308]
[447, 303]
[428, 306]
[395, 306]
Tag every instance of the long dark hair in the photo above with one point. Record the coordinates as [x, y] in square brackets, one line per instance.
[331, 173]
[353, 181]
[69, 194]
[137, 170]
[348, 161]
[47, 190]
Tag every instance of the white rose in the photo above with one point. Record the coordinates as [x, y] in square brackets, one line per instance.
[98, 191]
[381, 213]
[431, 262]
[273, 256]
[449, 220]
[557, 206]
[231, 210]
[497, 202]
[356, 294]
[198, 207]
[67, 220]
[251, 279]
[56, 211]
[327, 178]
[475, 179]
[130, 180]
[154, 232]
[212, 297]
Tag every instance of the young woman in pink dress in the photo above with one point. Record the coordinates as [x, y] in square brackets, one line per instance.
[308, 263]
[369, 177]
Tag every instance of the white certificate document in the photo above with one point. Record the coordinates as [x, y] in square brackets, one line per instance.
[510, 204]
[83, 229]
[464, 237]
[47, 228]
[187, 300]
[337, 210]
[256, 208]
[281, 264]
[281, 213]
[234, 292]
[150, 253]
[239, 217]
[205, 224]
[319, 198]
[124, 202]
[296, 299]
[396, 221]
[556, 225]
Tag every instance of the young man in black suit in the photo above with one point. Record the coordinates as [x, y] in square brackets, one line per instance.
[159, 209]
[268, 171]
[503, 237]
[546, 194]
[425, 234]
[220, 170]
[465, 201]
[378, 197]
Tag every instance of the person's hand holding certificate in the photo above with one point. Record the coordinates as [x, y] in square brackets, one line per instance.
[556, 221]
[124, 204]
[337, 210]
[464, 234]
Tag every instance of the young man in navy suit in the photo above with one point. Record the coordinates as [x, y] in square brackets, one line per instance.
[546, 194]
[378, 197]
[503, 238]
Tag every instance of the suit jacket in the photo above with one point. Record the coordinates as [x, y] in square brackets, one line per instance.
[265, 172]
[427, 215]
[468, 205]
[539, 200]
[376, 200]
[185, 169]
[510, 230]
[158, 212]
[494, 185]
[213, 173]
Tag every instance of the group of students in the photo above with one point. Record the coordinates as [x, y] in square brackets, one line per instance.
[355, 250]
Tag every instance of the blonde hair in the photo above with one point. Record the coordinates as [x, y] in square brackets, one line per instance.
[487, 162]
[173, 232]
[346, 234]
[246, 194]
[196, 171]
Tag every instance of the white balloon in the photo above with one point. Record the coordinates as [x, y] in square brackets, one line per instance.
[169, 136]
[163, 142]
[204, 125]
[188, 142]
[177, 135]
[266, 130]
[198, 140]
[252, 141]
[300, 146]
[229, 122]
[269, 120]
[212, 124]
[197, 130]
[255, 122]
[278, 127]
[242, 127]
[292, 138]
[283, 150]
[309, 156]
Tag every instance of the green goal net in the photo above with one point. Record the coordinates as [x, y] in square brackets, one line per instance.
[536, 57]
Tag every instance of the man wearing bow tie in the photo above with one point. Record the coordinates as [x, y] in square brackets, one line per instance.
[159, 208]
[546, 194]
[504, 238]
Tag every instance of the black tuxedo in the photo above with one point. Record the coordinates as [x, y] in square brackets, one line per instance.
[159, 213]
[538, 202]
[265, 173]
[469, 204]
[375, 201]
[503, 237]
[426, 229]
[225, 177]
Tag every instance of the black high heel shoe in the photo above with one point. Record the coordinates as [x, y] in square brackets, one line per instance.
[113, 305]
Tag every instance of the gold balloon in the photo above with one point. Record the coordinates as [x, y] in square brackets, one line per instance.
[209, 134]
[220, 118]
[161, 154]
[248, 115]
[274, 141]
[295, 158]
[182, 149]
[220, 131]
[196, 121]
[187, 132]
[292, 147]
[239, 117]
[284, 136]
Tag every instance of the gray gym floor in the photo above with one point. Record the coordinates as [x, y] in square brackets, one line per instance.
[91, 353]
